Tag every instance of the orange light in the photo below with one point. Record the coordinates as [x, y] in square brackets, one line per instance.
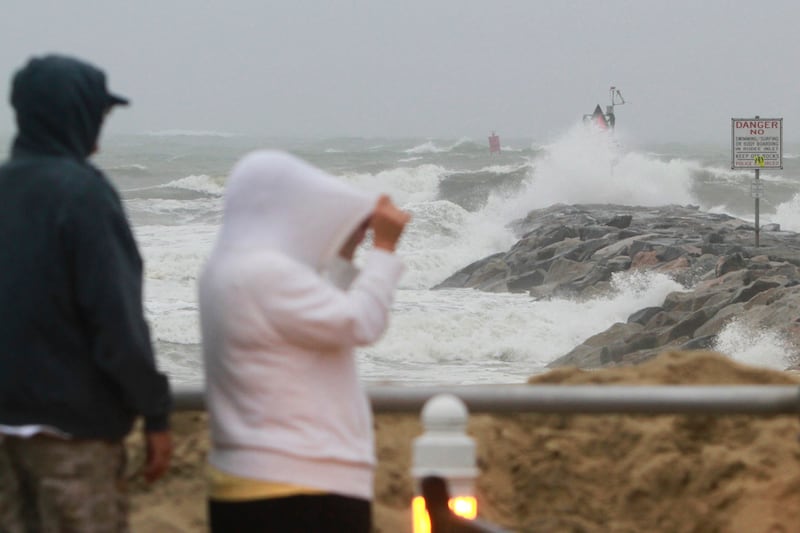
[421, 522]
[463, 506]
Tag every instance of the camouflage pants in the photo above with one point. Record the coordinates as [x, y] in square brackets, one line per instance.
[54, 485]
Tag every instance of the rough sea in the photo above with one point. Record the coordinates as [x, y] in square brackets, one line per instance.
[462, 199]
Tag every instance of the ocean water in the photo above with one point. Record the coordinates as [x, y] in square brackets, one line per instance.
[462, 199]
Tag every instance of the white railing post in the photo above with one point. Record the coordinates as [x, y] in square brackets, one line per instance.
[444, 450]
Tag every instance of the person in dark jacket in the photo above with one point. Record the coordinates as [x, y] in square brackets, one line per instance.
[76, 361]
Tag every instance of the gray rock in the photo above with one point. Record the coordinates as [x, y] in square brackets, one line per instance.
[620, 221]
[700, 343]
[643, 316]
[729, 264]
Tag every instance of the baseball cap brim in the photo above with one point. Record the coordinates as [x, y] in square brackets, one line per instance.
[115, 99]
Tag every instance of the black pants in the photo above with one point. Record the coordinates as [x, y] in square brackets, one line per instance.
[326, 513]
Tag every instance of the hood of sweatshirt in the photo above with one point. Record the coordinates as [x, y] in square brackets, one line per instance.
[276, 201]
[60, 103]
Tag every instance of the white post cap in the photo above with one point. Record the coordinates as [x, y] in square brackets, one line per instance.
[444, 449]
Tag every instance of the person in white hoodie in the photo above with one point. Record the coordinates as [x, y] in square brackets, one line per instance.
[281, 309]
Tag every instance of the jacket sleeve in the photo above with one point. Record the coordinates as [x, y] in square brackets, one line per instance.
[107, 277]
[341, 273]
[310, 312]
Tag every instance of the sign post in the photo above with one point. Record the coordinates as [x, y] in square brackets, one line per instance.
[757, 143]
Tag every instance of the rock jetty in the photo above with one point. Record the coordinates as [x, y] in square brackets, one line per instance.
[573, 251]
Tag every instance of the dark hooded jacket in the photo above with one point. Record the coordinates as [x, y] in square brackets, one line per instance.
[75, 350]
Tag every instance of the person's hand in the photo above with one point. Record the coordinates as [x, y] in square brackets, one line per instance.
[387, 223]
[159, 454]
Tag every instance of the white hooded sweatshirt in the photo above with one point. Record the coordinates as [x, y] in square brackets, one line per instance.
[285, 401]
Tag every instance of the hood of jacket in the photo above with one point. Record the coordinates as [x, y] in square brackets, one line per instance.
[60, 103]
[276, 201]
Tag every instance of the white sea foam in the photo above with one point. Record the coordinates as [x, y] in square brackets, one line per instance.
[429, 147]
[403, 184]
[468, 336]
[787, 214]
[426, 148]
[174, 256]
[726, 175]
[176, 212]
[175, 321]
[588, 166]
[199, 183]
[444, 237]
[175, 252]
[754, 346]
[495, 169]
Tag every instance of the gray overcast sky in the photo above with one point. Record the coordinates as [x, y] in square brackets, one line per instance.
[429, 68]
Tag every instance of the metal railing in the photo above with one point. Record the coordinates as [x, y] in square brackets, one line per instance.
[597, 399]
[566, 399]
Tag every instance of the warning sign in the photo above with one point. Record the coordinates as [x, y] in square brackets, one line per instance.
[757, 143]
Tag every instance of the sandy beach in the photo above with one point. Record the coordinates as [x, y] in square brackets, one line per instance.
[610, 473]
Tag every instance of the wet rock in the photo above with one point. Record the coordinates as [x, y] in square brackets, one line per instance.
[729, 264]
[620, 221]
[700, 343]
[643, 316]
